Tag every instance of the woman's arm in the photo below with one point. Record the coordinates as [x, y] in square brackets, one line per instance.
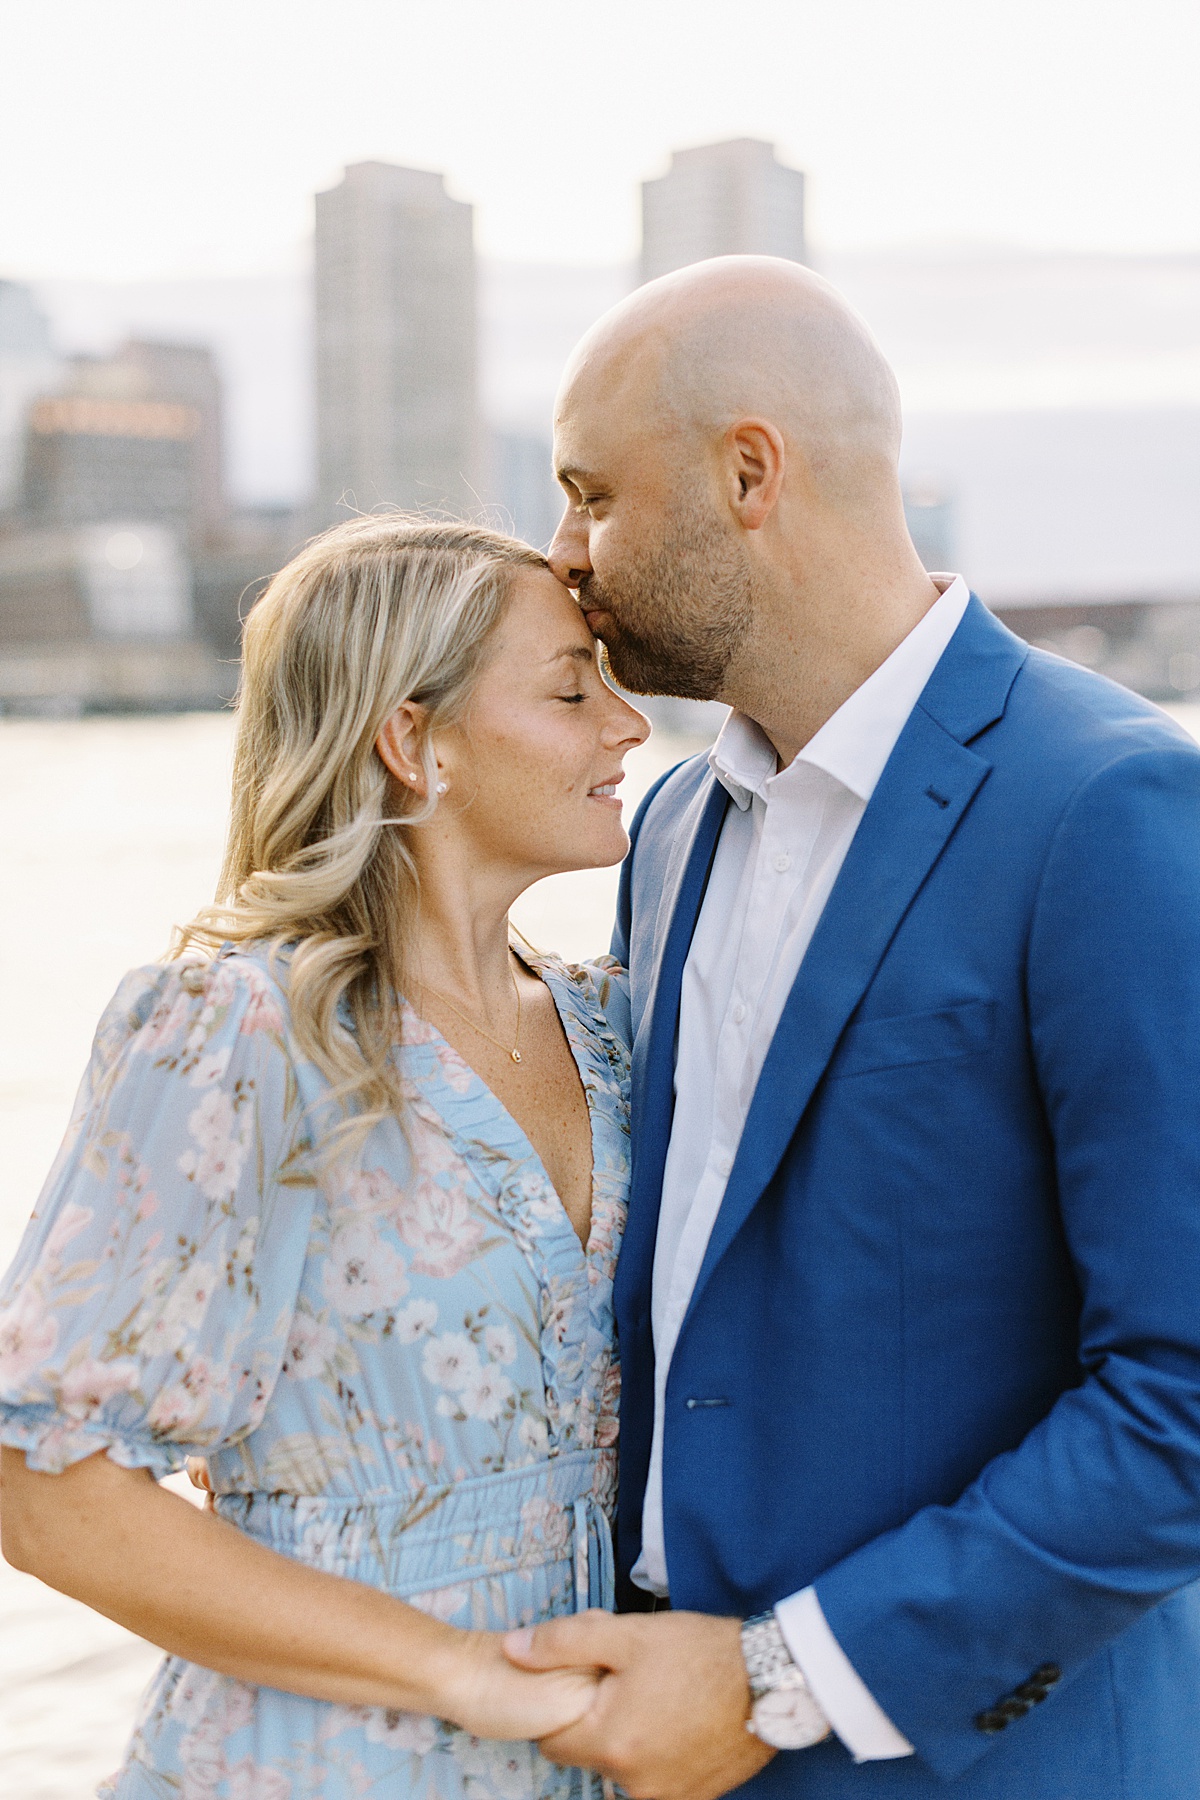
[199, 1588]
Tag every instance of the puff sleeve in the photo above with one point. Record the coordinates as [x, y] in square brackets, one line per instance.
[148, 1308]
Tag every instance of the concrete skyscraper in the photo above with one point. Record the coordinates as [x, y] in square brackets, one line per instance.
[396, 353]
[726, 199]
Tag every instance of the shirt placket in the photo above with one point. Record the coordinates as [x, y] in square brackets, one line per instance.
[777, 871]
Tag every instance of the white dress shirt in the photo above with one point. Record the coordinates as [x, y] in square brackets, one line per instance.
[781, 848]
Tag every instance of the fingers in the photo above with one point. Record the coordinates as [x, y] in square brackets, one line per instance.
[592, 1639]
[198, 1475]
[576, 1746]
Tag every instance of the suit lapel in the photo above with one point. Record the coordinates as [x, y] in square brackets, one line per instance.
[924, 791]
[653, 1076]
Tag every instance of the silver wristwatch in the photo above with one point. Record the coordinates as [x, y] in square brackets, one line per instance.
[784, 1712]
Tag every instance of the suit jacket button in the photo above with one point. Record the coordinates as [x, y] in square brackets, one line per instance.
[1012, 1708]
[1033, 1691]
[1047, 1675]
[990, 1721]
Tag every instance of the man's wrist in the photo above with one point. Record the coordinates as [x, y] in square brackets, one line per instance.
[784, 1712]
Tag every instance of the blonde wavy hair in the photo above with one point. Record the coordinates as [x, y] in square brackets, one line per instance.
[318, 863]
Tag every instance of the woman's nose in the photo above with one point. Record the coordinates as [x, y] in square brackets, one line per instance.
[628, 727]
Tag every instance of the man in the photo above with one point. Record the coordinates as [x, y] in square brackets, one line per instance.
[909, 1304]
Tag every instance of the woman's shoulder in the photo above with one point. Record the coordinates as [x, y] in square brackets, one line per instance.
[599, 988]
[177, 1009]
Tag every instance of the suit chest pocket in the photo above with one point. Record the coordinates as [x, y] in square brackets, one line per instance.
[912, 1038]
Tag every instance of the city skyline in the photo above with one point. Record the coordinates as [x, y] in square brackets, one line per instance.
[1053, 123]
[1052, 401]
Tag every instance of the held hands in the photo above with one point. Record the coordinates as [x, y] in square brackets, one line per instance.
[491, 1698]
[667, 1719]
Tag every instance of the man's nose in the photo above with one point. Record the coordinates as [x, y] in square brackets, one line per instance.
[568, 554]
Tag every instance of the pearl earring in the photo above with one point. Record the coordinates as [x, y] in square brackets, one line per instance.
[442, 786]
[412, 778]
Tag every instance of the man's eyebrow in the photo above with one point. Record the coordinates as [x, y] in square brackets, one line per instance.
[578, 478]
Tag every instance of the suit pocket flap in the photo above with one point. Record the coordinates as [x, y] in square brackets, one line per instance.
[914, 1038]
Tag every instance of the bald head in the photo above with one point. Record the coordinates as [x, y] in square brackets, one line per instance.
[689, 355]
[728, 440]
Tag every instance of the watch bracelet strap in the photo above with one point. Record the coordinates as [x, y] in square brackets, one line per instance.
[770, 1665]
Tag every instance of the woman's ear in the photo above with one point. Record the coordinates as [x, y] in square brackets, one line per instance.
[399, 745]
[756, 457]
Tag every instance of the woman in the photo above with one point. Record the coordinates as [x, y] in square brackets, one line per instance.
[352, 1249]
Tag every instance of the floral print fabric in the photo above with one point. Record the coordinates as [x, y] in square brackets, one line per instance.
[399, 1367]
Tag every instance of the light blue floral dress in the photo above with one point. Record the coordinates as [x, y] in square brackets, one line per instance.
[401, 1371]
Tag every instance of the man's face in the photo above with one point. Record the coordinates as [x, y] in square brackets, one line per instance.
[662, 581]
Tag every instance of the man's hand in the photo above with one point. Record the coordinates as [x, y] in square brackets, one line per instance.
[669, 1718]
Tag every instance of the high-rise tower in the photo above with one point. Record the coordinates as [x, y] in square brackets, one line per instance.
[725, 199]
[396, 380]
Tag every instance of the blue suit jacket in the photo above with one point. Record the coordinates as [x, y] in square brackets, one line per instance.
[943, 1355]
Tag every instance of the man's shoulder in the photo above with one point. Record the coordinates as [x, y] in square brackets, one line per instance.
[1073, 723]
[670, 796]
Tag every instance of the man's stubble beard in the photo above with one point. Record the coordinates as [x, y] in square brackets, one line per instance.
[677, 618]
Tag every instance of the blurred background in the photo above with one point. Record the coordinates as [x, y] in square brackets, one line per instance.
[265, 262]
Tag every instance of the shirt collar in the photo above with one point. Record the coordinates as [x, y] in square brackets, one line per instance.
[854, 745]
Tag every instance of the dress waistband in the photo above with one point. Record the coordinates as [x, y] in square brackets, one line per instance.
[550, 1511]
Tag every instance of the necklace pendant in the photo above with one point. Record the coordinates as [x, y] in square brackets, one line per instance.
[516, 1055]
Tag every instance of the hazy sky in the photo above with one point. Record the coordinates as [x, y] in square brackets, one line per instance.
[185, 137]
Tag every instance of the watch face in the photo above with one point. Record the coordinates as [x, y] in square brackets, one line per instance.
[788, 1719]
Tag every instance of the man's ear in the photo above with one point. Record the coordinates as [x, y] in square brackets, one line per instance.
[756, 458]
[399, 745]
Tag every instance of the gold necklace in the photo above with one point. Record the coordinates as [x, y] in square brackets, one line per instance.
[515, 1052]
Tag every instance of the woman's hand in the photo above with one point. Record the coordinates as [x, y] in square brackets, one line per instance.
[490, 1698]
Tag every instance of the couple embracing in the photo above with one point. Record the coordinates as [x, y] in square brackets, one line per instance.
[874, 1145]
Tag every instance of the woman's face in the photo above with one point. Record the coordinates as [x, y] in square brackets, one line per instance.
[531, 770]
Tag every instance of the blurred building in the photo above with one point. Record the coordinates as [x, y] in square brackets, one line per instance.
[1079, 526]
[531, 316]
[28, 366]
[186, 375]
[731, 199]
[135, 435]
[100, 618]
[122, 571]
[522, 479]
[395, 344]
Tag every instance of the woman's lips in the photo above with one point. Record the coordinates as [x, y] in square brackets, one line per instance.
[605, 792]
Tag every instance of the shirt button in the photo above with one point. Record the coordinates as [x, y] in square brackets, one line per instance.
[783, 861]
[738, 1013]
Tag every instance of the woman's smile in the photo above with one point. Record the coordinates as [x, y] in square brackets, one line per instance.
[606, 792]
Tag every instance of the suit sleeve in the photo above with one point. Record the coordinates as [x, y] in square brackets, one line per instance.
[1062, 1543]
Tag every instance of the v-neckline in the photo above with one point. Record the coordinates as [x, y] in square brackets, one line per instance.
[565, 1019]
